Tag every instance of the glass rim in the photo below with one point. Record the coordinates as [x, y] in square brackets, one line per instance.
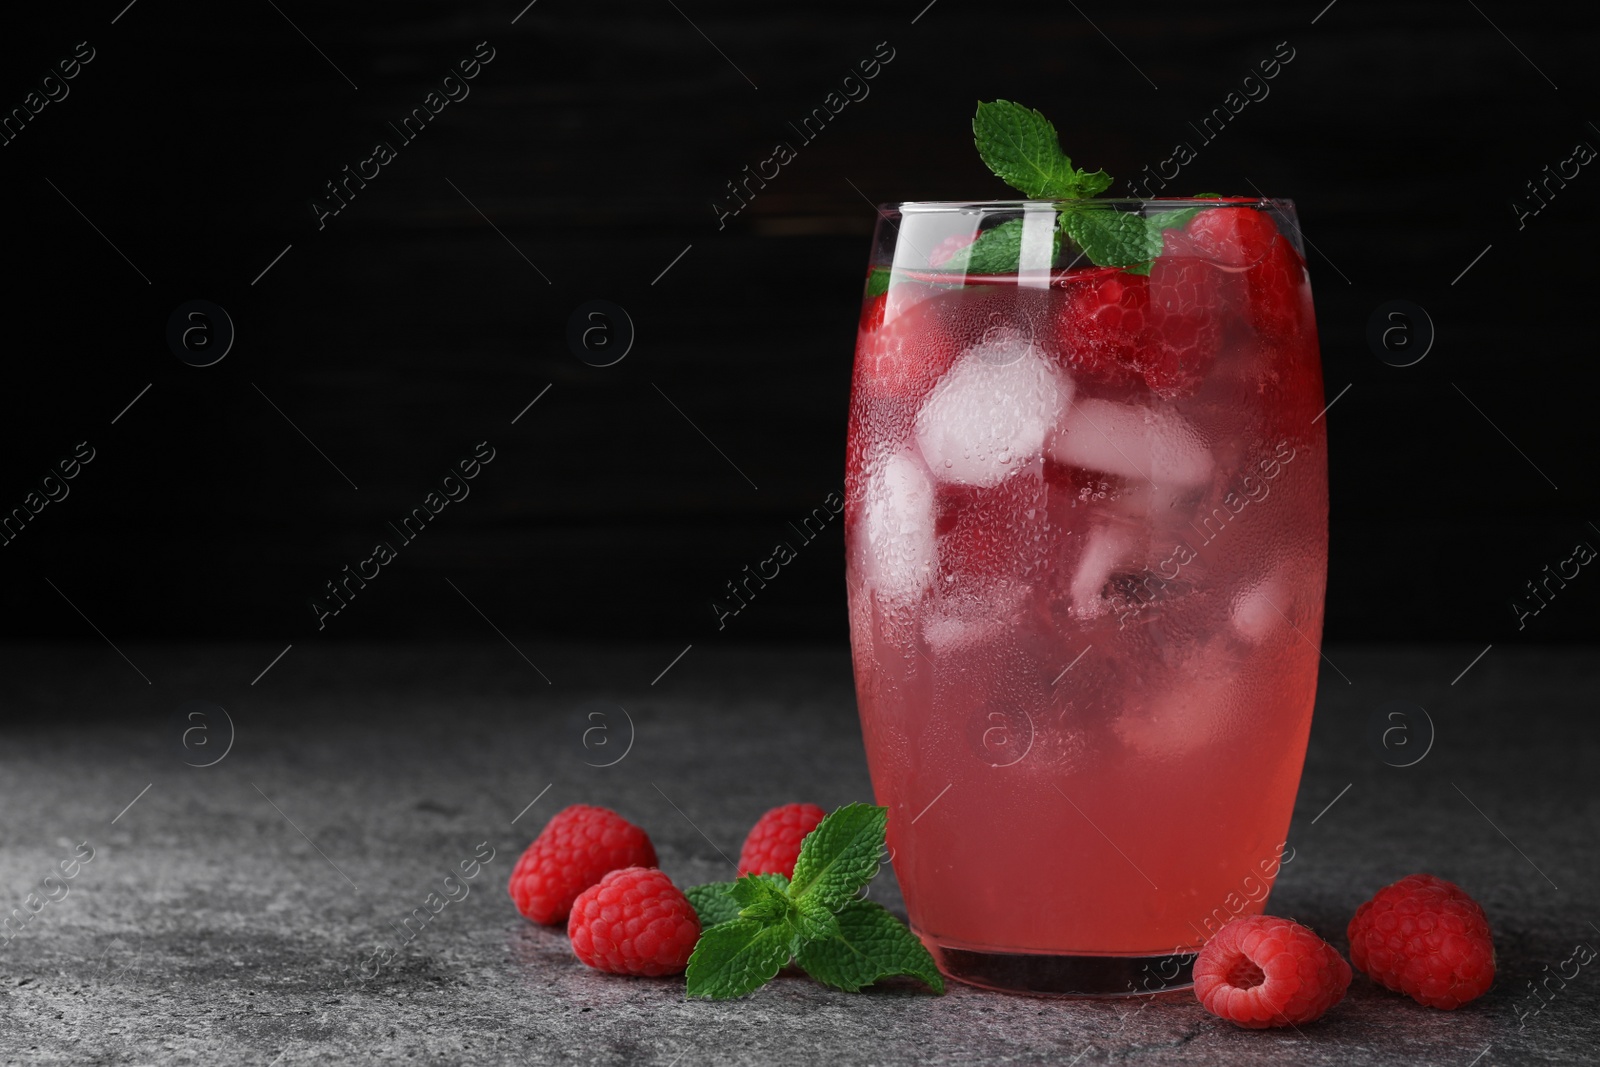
[948, 206]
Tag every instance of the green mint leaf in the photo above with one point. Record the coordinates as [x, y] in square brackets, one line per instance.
[878, 281]
[814, 921]
[1093, 184]
[997, 251]
[1112, 238]
[760, 898]
[1166, 220]
[840, 856]
[713, 903]
[734, 958]
[1021, 147]
[1155, 224]
[871, 944]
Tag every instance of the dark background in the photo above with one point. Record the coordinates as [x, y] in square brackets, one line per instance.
[597, 141]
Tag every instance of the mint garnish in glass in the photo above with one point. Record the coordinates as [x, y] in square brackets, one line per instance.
[1022, 148]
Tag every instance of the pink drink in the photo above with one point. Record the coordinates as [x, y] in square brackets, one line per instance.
[1087, 533]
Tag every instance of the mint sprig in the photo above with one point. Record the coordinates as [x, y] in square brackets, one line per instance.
[1022, 148]
[751, 927]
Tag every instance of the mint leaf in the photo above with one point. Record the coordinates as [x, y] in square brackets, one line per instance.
[997, 251]
[871, 944]
[878, 281]
[1166, 220]
[814, 920]
[734, 958]
[1112, 238]
[1093, 184]
[1021, 147]
[840, 856]
[1154, 225]
[713, 903]
[759, 898]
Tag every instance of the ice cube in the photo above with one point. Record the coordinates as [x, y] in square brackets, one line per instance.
[989, 415]
[1107, 549]
[1188, 711]
[1151, 445]
[902, 553]
[946, 633]
[966, 621]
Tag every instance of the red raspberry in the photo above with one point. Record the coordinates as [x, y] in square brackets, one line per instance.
[1233, 237]
[635, 921]
[946, 250]
[1424, 937]
[1101, 321]
[1185, 317]
[1276, 285]
[1164, 327]
[577, 848]
[1262, 971]
[872, 312]
[773, 843]
[1246, 239]
[906, 342]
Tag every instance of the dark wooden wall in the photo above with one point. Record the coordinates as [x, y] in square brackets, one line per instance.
[597, 141]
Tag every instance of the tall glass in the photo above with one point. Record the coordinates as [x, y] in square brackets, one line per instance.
[1086, 519]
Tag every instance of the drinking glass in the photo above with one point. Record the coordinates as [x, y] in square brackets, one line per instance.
[1086, 524]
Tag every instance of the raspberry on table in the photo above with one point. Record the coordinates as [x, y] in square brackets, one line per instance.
[577, 847]
[773, 843]
[1424, 937]
[634, 921]
[1261, 971]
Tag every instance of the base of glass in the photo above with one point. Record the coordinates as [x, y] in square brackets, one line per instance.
[1044, 975]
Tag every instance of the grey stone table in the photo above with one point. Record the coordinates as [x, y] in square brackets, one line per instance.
[231, 913]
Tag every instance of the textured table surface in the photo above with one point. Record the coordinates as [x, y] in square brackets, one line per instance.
[226, 914]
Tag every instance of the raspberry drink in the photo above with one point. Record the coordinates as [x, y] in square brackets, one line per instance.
[1086, 518]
